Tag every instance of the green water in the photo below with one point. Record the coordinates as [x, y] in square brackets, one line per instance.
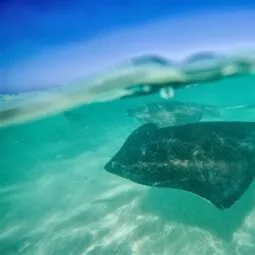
[56, 198]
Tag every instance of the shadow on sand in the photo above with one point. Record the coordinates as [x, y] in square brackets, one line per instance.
[182, 207]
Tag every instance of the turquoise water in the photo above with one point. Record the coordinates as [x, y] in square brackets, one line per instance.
[56, 197]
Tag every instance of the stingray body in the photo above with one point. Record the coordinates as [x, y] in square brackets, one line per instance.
[214, 160]
[176, 113]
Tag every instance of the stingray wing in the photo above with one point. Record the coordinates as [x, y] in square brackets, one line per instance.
[213, 160]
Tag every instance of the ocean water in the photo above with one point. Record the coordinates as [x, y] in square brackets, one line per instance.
[56, 198]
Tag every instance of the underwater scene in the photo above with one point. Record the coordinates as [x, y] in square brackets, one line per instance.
[155, 158]
[127, 128]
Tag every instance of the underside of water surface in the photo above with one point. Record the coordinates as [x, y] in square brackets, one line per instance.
[56, 197]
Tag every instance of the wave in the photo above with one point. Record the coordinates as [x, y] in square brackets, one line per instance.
[137, 76]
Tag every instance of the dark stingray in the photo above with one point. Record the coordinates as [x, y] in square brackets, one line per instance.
[214, 160]
[176, 113]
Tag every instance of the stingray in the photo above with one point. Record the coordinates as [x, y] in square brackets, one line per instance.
[176, 113]
[213, 160]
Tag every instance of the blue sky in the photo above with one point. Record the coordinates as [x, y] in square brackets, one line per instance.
[36, 33]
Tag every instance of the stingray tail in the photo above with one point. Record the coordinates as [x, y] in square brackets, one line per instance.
[243, 106]
[219, 110]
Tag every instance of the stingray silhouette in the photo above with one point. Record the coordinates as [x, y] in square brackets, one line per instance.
[213, 160]
[174, 113]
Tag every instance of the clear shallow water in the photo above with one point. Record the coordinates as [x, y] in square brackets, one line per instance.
[56, 198]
